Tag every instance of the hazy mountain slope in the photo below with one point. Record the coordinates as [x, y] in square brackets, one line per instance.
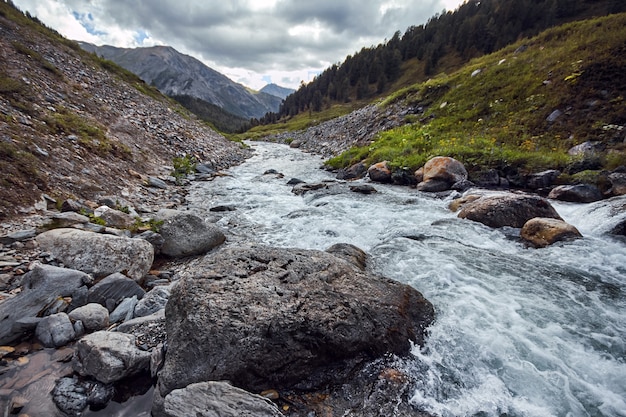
[75, 126]
[276, 90]
[176, 74]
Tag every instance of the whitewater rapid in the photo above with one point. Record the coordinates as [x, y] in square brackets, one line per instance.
[519, 331]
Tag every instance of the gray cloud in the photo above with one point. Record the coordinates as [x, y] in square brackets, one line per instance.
[291, 35]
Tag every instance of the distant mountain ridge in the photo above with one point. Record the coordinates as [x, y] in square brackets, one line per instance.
[177, 74]
[277, 90]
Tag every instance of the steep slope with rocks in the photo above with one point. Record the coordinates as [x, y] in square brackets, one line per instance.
[176, 74]
[72, 125]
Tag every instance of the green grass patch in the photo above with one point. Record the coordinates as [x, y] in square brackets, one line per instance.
[493, 113]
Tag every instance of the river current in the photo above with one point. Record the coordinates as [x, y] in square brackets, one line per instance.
[519, 331]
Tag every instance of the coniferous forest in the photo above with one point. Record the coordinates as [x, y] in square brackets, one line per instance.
[444, 43]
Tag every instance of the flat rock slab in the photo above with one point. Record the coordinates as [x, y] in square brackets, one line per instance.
[216, 398]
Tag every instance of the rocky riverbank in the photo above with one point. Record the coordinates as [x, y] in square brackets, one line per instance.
[302, 331]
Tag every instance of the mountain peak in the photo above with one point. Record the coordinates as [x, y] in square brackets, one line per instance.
[276, 90]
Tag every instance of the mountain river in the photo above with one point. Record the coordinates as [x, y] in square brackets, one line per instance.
[519, 331]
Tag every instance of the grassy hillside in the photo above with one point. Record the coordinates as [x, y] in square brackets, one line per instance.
[522, 107]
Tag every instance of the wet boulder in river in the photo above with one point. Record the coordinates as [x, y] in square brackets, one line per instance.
[579, 193]
[512, 210]
[542, 232]
[441, 173]
[265, 318]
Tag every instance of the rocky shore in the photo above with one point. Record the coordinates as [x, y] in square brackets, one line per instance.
[292, 331]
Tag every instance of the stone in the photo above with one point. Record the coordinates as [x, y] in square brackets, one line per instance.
[354, 172]
[242, 310]
[216, 398]
[93, 316]
[67, 219]
[111, 290]
[363, 189]
[149, 330]
[19, 236]
[444, 168]
[353, 254]
[552, 117]
[41, 286]
[403, 176]
[109, 356]
[70, 205]
[380, 172]
[618, 183]
[186, 234]
[542, 179]
[115, 218]
[294, 181]
[155, 239]
[542, 232]
[98, 254]
[585, 149]
[303, 187]
[157, 183]
[579, 193]
[70, 396]
[433, 186]
[153, 301]
[205, 169]
[55, 330]
[512, 210]
[124, 311]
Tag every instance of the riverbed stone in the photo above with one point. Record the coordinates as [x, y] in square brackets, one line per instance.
[115, 218]
[98, 254]
[380, 172]
[153, 301]
[109, 356]
[618, 183]
[512, 210]
[55, 330]
[353, 172]
[541, 232]
[41, 286]
[241, 311]
[542, 179]
[579, 193]
[185, 234]
[442, 170]
[216, 398]
[93, 316]
[111, 290]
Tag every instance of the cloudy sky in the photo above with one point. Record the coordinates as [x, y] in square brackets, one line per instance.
[253, 42]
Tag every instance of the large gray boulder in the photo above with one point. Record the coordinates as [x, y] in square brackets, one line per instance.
[216, 399]
[512, 210]
[41, 286]
[98, 254]
[268, 318]
[109, 356]
[185, 234]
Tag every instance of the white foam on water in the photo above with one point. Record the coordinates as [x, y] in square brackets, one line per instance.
[519, 331]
